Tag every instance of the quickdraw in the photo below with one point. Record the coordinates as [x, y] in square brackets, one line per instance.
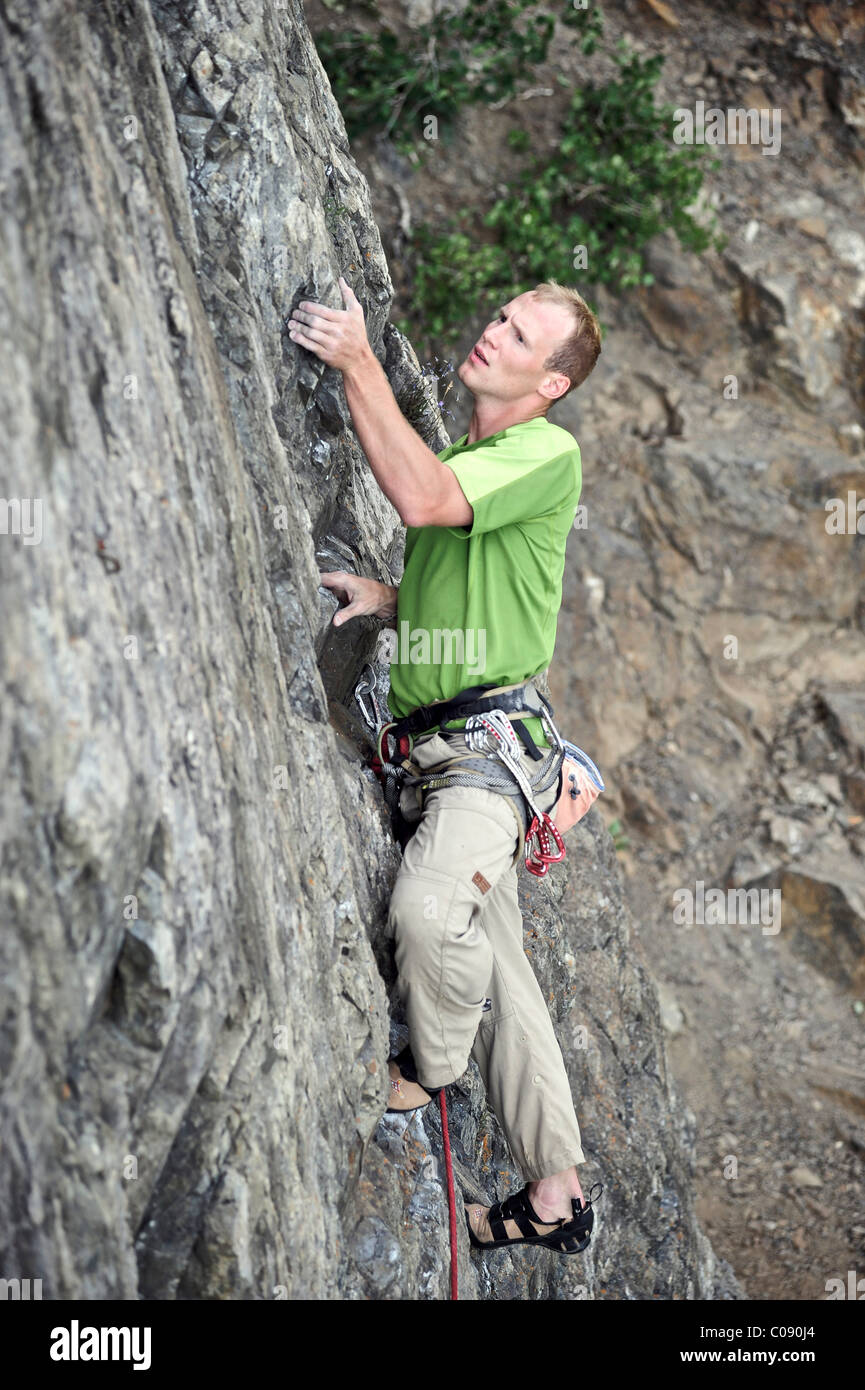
[495, 732]
[365, 691]
[389, 772]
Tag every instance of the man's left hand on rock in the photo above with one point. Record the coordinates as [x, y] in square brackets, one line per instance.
[337, 336]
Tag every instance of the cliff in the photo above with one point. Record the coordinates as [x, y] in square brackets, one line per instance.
[196, 866]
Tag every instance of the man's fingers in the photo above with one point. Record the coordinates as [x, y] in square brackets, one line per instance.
[351, 611]
[309, 331]
[309, 324]
[347, 588]
[333, 579]
[298, 335]
[308, 307]
[339, 584]
[348, 293]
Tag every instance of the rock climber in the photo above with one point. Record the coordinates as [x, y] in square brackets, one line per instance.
[487, 520]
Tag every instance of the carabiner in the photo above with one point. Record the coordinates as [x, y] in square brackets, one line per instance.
[365, 691]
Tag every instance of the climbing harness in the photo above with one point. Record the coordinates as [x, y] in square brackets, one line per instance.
[479, 699]
[490, 760]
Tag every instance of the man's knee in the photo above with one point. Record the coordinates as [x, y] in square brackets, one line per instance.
[419, 909]
[432, 924]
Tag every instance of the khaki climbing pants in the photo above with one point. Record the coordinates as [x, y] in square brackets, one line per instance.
[458, 932]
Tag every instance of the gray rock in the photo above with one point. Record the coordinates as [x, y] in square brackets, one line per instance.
[804, 1177]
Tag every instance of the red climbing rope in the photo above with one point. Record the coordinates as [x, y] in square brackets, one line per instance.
[452, 1206]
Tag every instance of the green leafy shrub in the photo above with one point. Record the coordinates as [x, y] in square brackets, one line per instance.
[614, 181]
[383, 82]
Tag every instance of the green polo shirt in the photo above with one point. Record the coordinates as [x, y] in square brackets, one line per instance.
[479, 604]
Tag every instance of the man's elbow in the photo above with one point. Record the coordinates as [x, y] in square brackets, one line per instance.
[427, 514]
[414, 515]
[443, 503]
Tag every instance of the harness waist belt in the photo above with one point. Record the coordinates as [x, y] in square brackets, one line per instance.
[470, 701]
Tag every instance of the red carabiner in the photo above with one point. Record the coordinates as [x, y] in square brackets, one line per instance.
[538, 860]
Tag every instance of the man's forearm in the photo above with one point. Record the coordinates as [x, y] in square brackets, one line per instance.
[406, 470]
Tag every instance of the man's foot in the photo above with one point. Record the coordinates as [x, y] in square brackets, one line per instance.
[515, 1221]
[479, 1221]
[552, 1197]
[404, 1094]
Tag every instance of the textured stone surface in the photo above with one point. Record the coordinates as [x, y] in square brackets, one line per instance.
[196, 863]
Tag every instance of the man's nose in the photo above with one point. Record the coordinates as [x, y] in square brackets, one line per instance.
[491, 335]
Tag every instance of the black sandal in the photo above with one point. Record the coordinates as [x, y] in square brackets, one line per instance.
[566, 1238]
[405, 1062]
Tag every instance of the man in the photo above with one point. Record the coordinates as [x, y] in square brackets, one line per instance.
[487, 522]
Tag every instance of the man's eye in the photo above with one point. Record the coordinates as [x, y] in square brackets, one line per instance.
[518, 333]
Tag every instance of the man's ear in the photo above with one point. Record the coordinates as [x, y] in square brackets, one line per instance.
[554, 386]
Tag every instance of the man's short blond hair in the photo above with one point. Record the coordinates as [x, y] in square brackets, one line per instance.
[577, 355]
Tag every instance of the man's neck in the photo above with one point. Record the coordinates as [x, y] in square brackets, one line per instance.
[490, 417]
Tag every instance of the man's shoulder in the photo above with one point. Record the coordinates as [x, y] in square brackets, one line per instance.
[536, 441]
[558, 434]
[551, 438]
[537, 436]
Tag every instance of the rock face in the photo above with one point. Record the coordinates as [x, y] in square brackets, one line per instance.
[197, 986]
